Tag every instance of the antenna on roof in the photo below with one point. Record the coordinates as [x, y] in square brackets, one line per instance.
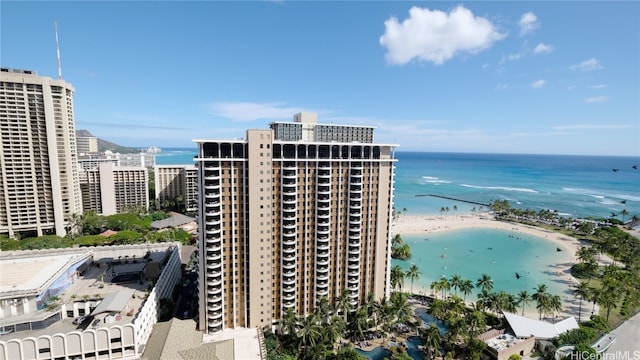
[58, 51]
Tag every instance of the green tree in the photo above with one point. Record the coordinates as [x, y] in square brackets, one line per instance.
[465, 288]
[582, 291]
[523, 299]
[413, 273]
[397, 277]
[485, 283]
[431, 340]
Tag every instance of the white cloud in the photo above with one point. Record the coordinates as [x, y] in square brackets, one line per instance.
[599, 86]
[436, 36]
[528, 23]
[502, 86]
[250, 111]
[543, 49]
[592, 127]
[538, 84]
[596, 99]
[587, 65]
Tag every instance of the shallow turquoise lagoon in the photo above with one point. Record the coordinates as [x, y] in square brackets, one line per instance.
[499, 253]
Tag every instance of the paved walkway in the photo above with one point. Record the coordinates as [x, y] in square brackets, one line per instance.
[627, 344]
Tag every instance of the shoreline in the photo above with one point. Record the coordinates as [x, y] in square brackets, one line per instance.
[425, 224]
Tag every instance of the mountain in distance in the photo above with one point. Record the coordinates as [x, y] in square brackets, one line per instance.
[104, 145]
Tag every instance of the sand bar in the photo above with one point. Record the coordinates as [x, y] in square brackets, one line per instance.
[424, 224]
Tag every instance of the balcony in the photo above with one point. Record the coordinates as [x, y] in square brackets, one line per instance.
[289, 200]
[354, 266]
[215, 256]
[355, 221]
[355, 205]
[289, 257]
[322, 262]
[214, 185]
[215, 290]
[354, 252]
[322, 277]
[215, 281]
[212, 195]
[289, 175]
[213, 212]
[288, 305]
[321, 293]
[213, 231]
[215, 324]
[289, 224]
[289, 241]
[353, 274]
[289, 297]
[212, 298]
[213, 222]
[289, 265]
[323, 248]
[289, 281]
[323, 230]
[216, 307]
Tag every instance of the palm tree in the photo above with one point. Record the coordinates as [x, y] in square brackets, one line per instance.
[343, 303]
[581, 290]
[397, 277]
[477, 322]
[359, 322]
[322, 309]
[444, 286]
[431, 340]
[310, 331]
[456, 282]
[541, 297]
[523, 299]
[413, 274]
[555, 305]
[465, 288]
[436, 286]
[485, 283]
[289, 322]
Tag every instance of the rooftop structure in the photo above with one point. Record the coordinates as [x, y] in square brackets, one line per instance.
[113, 320]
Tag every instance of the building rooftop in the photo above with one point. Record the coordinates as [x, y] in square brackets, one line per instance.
[29, 275]
[525, 327]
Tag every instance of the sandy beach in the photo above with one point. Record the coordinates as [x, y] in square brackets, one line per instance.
[425, 224]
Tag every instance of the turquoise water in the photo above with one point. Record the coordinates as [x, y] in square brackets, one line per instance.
[379, 353]
[578, 186]
[498, 253]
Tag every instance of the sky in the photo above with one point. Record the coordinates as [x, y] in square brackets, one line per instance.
[540, 77]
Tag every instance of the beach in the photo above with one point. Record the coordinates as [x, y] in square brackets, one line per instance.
[405, 224]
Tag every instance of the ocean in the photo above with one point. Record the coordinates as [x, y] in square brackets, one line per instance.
[575, 186]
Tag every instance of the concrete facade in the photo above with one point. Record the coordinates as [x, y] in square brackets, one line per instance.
[172, 181]
[284, 223]
[110, 189]
[39, 179]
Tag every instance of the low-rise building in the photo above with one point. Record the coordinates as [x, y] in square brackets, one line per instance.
[98, 304]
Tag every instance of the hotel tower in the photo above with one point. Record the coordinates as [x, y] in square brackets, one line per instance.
[39, 180]
[289, 215]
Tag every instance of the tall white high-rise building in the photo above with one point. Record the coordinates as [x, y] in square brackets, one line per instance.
[39, 180]
[288, 216]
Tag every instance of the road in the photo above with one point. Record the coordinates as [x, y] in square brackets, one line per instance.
[627, 344]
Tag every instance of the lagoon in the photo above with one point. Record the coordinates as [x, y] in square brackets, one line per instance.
[499, 253]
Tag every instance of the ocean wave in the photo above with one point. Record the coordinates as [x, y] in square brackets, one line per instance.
[435, 180]
[505, 188]
[601, 194]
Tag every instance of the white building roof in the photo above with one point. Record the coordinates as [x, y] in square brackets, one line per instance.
[28, 276]
[526, 327]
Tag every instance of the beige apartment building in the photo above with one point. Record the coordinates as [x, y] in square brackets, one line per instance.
[87, 144]
[285, 220]
[39, 179]
[172, 181]
[110, 189]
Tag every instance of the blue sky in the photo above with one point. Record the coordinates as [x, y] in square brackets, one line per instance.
[495, 77]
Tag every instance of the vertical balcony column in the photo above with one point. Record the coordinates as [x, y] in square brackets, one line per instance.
[289, 238]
